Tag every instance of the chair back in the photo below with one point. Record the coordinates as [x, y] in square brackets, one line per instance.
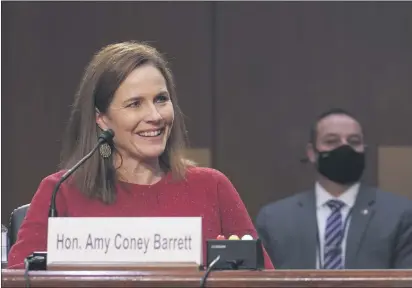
[16, 218]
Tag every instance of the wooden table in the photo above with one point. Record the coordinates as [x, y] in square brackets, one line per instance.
[176, 278]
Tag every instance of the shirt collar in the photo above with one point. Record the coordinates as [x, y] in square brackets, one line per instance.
[348, 197]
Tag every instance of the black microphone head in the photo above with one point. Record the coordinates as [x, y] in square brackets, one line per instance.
[106, 136]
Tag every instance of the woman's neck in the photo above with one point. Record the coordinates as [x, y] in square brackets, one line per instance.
[139, 172]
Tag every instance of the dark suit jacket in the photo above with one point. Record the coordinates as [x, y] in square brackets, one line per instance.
[380, 239]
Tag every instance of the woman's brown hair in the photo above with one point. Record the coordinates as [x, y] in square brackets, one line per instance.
[102, 77]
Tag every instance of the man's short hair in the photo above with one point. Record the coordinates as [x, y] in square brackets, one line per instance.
[334, 111]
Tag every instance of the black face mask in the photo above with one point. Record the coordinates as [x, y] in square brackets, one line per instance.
[342, 165]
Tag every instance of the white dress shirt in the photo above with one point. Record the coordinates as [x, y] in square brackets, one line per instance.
[323, 212]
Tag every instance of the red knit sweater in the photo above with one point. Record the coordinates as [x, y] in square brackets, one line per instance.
[205, 192]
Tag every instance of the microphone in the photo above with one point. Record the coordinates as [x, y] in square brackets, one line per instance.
[106, 136]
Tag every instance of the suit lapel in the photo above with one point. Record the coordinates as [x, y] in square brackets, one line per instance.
[307, 229]
[362, 213]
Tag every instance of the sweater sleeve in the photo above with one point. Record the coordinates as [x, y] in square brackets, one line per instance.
[235, 219]
[32, 235]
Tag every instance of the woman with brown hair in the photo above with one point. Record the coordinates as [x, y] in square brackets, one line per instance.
[129, 89]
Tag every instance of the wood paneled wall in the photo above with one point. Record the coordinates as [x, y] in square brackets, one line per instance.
[251, 76]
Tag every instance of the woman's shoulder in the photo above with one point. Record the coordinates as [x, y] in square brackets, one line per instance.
[213, 180]
[42, 195]
[205, 176]
[195, 173]
[54, 177]
[49, 182]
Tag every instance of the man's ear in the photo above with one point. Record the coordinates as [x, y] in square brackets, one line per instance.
[311, 153]
[101, 120]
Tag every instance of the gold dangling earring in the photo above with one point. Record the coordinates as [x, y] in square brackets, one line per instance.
[105, 150]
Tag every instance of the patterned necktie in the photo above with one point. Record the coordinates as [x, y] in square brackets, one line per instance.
[332, 254]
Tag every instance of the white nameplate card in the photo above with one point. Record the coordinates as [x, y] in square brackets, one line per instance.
[123, 240]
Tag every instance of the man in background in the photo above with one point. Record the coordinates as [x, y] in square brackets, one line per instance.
[340, 223]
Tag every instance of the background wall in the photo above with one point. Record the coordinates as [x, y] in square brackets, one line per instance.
[251, 77]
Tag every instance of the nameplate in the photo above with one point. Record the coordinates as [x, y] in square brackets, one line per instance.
[123, 240]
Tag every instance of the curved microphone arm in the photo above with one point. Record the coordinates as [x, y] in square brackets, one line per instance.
[106, 136]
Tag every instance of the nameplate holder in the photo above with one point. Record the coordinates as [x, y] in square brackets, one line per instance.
[143, 243]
